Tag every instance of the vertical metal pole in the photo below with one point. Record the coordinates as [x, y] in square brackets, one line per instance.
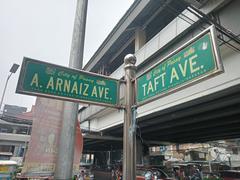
[229, 160]
[4, 91]
[209, 162]
[129, 142]
[65, 156]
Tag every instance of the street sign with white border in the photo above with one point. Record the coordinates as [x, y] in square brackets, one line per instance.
[54, 81]
[196, 60]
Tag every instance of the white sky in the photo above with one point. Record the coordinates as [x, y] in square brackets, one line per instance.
[42, 29]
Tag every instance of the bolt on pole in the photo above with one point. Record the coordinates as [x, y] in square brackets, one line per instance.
[129, 135]
[65, 156]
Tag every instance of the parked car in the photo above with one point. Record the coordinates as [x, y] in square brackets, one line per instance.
[151, 174]
[146, 173]
[7, 169]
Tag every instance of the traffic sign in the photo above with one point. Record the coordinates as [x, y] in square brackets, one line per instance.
[195, 60]
[54, 81]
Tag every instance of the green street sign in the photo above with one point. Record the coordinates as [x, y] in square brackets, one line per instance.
[195, 60]
[53, 81]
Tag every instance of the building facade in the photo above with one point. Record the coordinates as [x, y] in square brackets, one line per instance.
[15, 130]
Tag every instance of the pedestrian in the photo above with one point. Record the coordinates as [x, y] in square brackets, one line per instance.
[81, 177]
[196, 175]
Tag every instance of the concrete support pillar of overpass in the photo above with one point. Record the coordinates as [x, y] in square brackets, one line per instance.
[14, 130]
[16, 151]
[140, 38]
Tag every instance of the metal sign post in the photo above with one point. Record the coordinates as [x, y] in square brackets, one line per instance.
[129, 139]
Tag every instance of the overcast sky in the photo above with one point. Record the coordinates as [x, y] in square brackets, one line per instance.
[42, 29]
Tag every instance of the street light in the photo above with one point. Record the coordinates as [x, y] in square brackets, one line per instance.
[12, 70]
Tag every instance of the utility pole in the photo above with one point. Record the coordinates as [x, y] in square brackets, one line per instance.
[65, 156]
[129, 135]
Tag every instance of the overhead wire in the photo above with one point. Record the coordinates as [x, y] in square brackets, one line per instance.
[220, 28]
[209, 20]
